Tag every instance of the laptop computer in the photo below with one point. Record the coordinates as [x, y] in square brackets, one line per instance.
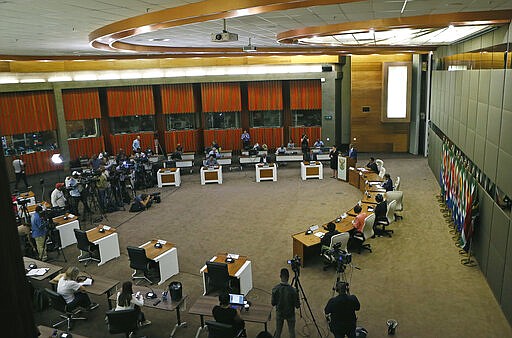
[235, 299]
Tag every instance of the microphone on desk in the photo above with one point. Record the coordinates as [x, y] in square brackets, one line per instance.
[158, 245]
[150, 294]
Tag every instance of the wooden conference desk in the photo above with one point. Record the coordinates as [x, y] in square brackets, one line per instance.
[66, 224]
[266, 172]
[365, 207]
[168, 176]
[52, 269]
[311, 170]
[164, 305]
[211, 175]
[46, 332]
[307, 245]
[100, 285]
[240, 269]
[107, 241]
[166, 257]
[257, 313]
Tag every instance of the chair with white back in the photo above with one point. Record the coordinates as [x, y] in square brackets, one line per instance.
[382, 172]
[398, 197]
[361, 241]
[380, 163]
[396, 186]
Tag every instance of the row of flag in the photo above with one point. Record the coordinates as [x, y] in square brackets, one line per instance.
[459, 190]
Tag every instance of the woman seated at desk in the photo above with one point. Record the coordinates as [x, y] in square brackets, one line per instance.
[126, 300]
[73, 292]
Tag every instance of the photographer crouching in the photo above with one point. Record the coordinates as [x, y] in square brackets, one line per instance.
[341, 312]
[144, 201]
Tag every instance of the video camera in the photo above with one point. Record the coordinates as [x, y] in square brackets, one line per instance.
[295, 263]
[156, 197]
[22, 201]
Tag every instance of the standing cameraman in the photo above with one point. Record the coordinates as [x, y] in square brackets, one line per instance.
[103, 186]
[39, 232]
[286, 299]
[341, 312]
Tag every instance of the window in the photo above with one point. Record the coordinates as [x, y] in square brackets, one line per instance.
[222, 120]
[132, 124]
[82, 128]
[29, 142]
[396, 94]
[181, 121]
[306, 118]
[266, 118]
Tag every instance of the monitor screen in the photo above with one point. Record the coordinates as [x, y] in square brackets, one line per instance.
[236, 299]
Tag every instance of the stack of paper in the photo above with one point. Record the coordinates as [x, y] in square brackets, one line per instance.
[234, 256]
[161, 241]
[87, 281]
[37, 272]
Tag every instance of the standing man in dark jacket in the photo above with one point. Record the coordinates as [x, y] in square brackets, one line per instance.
[286, 299]
[341, 311]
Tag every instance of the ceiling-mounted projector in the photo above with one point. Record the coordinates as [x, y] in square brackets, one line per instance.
[224, 37]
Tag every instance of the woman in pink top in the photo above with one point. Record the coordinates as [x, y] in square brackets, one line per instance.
[358, 222]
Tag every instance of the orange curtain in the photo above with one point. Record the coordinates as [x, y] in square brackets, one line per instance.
[118, 141]
[81, 104]
[265, 95]
[305, 94]
[312, 132]
[272, 137]
[228, 139]
[38, 162]
[87, 147]
[221, 97]
[130, 101]
[189, 139]
[27, 112]
[178, 98]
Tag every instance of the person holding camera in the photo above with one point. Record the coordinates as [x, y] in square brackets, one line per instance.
[286, 299]
[73, 186]
[126, 300]
[341, 312]
[103, 186]
[39, 230]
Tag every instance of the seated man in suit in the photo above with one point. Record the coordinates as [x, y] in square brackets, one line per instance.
[326, 239]
[265, 159]
[225, 314]
[380, 211]
[281, 150]
[388, 184]
[211, 161]
[372, 165]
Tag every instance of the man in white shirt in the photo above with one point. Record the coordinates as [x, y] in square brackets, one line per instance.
[136, 144]
[19, 171]
[58, 199]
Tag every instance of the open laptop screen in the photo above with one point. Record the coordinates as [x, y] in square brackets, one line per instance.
[236, 299]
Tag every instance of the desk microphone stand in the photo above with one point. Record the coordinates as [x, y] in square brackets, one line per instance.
[298, 286]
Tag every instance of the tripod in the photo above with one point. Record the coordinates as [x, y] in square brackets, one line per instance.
[298, 286]
[340, 275]
[52, 239]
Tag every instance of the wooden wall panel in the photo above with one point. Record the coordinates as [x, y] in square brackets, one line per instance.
[312, 132]
[228, 139]
[189, 140]
[124, 141]
[372, 134]
[272, 137]
[85, 147]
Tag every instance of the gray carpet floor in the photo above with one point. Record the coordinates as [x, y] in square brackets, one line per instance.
[414, 277]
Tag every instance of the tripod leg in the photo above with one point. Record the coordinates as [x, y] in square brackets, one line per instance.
[309, 307]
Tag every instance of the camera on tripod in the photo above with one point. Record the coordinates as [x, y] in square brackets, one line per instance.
[295, 263]
[22, 201]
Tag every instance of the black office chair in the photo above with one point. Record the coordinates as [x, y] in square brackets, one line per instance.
[217, 279]
[220, 330]
[140, 262]
[122, 321]
[58, 303]
[83, 243]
